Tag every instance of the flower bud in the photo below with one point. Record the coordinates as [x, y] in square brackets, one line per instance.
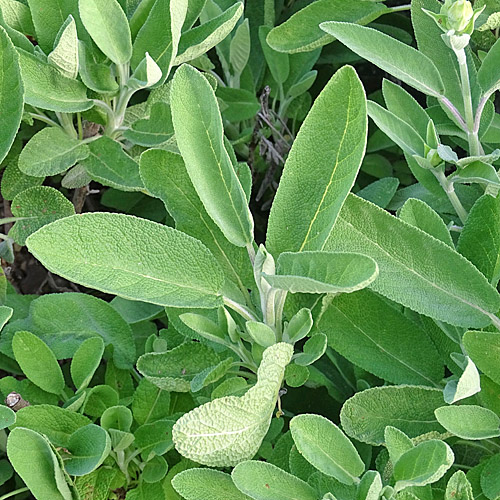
[459, 15]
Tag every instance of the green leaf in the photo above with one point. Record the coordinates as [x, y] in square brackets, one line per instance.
[37, 206]
[85, 362]
[391, 55]
[18, 16]
[301, 33]
[403, 134]
[488, 75]
[404, 106]
[408, 259]
[458, 487]
[278, 63]
[239, 48]
[313, 349]
[5, 314]
[326, 447]
[321, 167]
[65, 54]
[417, 213]
[489, 481]
[484, 349]
[229, 430]
[154, 438]
[200, 39]
[469, 421]
[50, 152]
[211, 374]
[58, 424]
[423, 464]
[47, 88]
[477, 171]
[155, 470]
[11, 93]
[99, 399]
[481, 226]
[129, 249]
[467, 385]
[323, 272]
[89, 446]
[150, 403]
[370, 486]
[299, 326]
[206, 484]
[160, 34]
[34, 459]
[200, 138]
[237, 104]
[7, 417]
[118, 418]
[108, 164]
[205, 327]
[163, 174]
[371, 333]
[396, 442]
[264, 481]
[408, 408]
[173, 370]
[14, 181]
[38, 362]
[380, 192]
[107, 24]
[261, 333]
[95, 75]
[154, 130]
[48, 17]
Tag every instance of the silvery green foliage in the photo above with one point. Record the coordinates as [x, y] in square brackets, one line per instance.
[226, 431]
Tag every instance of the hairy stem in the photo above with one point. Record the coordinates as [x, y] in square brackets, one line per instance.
[240, 309]
[472, 135]
[14, 493]
[450, 192]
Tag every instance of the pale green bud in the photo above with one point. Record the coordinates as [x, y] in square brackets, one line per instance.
[459, 15]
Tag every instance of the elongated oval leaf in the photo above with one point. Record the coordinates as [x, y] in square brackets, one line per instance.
[130, 257]
[46, 480]
[323, 272]
[160, 34]
[108, 164]
[488, 75]
[38, 362]
[469, 421]
[391, 55]
[321, 167]
[65, 54]
[374, 335]
[484, 350]
[50, 152]
[107, 24]
[423, 464]
[89, 446]
[326, 447]
[481, 226]
[11, 93]
[301, 33]
[201, 39]
[206, 484]
[37, 206]
[85, 361]
[164, 173]
[408, 259]
[264, 481]
[47, 88]
[408, 408]
[200, 138]
[228, 430]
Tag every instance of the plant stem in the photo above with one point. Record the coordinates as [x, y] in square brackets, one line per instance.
[398, 8]
[80, 126]
[66, 121]
[450, 192]
[472, 135]
[15, 492]
[44, 119]
[240, 309]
